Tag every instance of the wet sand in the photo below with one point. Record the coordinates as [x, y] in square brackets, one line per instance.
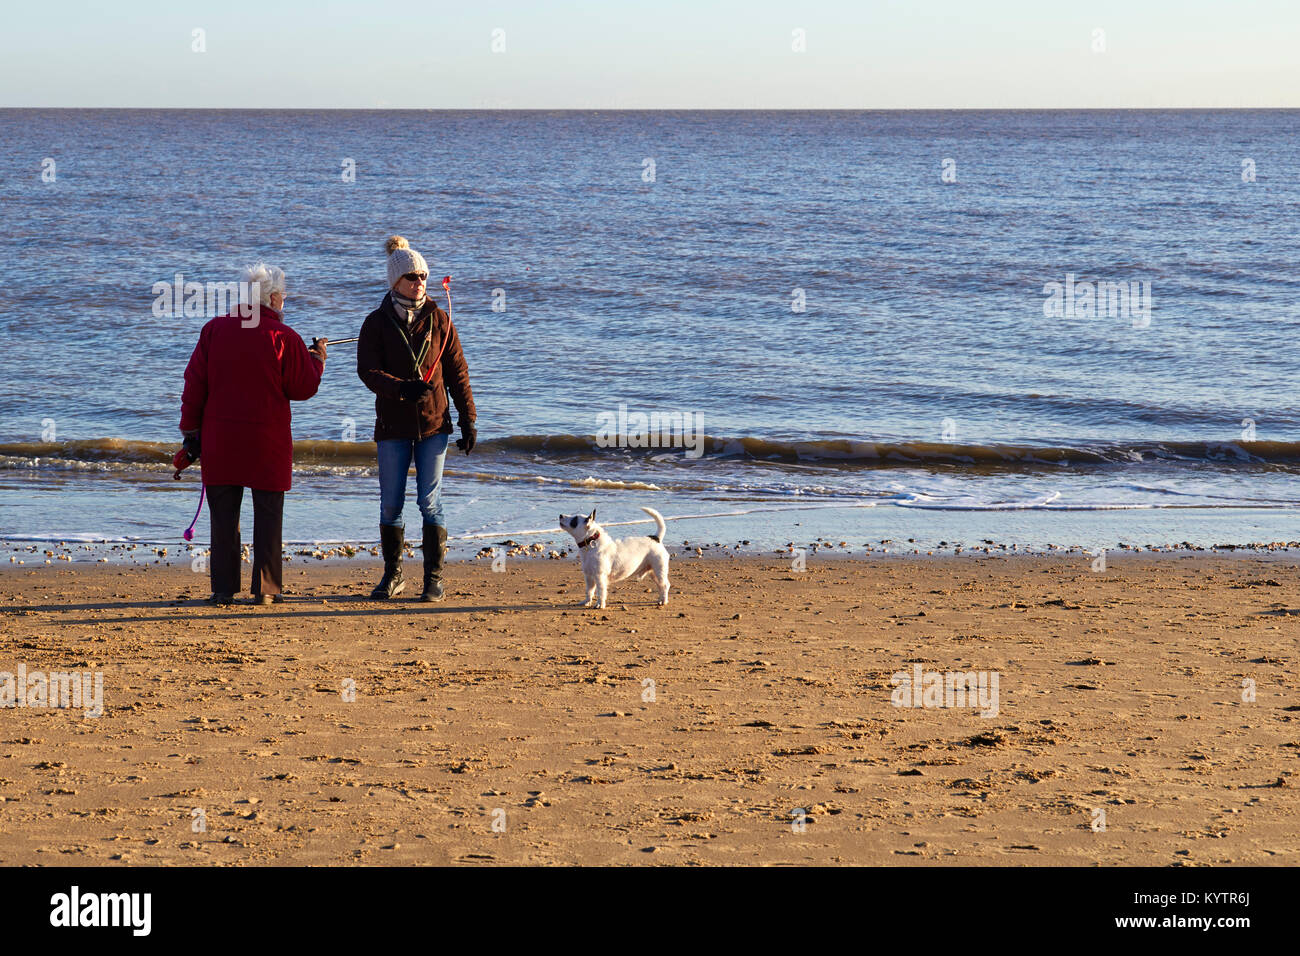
[508, 726]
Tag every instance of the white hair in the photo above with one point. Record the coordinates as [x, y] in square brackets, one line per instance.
[268, 278]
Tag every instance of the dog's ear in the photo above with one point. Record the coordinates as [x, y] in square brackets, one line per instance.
[591, 517]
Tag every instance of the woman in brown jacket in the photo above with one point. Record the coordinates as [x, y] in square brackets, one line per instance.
[409, 355]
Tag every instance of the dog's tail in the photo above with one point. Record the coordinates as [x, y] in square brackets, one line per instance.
[659, 520]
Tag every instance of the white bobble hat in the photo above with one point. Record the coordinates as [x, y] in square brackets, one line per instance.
[403, 259]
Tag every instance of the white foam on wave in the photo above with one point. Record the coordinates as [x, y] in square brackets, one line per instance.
[77, 537]
[970, 503]
[711, 514]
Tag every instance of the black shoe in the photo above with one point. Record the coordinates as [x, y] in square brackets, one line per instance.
[435, 549]
[391, 543]
[223, 600]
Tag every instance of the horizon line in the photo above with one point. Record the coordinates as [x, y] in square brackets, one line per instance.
[678, 109]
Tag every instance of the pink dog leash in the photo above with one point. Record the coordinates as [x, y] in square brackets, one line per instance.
[189, 532]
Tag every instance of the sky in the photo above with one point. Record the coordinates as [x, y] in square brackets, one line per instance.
[664, 54]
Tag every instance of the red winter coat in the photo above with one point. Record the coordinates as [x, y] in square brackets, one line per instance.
[238, 386]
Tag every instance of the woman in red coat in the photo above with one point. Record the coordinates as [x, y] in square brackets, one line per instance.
[235, 411]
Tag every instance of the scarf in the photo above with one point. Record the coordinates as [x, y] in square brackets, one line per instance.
[407, 308]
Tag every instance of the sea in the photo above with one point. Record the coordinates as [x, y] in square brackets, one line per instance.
[909, 331]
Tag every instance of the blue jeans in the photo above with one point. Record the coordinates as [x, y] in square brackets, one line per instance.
[394, 463]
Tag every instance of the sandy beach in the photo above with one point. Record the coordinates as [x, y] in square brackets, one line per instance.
[749, 722]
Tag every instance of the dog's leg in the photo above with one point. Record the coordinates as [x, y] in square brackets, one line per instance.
[660, 563]
[602, 587]
[591, 593]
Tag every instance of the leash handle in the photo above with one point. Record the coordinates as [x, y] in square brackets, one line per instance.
[189, 532]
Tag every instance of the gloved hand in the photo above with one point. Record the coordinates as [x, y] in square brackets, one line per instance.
[413, 389]
[468, 436]
[191, 445]
[318, 348]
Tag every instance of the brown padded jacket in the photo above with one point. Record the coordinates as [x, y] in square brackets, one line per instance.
[386, 354]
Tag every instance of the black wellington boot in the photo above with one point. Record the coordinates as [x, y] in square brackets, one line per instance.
[391, 543]
[435, 548]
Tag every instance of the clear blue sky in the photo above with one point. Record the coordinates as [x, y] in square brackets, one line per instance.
[667, 54]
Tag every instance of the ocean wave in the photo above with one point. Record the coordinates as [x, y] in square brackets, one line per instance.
[828, 453]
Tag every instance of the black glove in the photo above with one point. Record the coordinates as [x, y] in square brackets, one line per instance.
[412, 389]
[191, 445]
[468, 436]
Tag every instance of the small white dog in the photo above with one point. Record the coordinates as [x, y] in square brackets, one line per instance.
[605, 560]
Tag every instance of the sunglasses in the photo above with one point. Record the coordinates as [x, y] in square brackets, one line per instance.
[415, 277]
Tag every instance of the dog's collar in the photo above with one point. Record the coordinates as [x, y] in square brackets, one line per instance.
[587, 540]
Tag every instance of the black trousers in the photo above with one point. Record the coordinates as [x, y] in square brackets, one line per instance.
[268, 518]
